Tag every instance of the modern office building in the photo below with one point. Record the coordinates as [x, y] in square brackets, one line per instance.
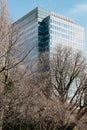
[44, 30]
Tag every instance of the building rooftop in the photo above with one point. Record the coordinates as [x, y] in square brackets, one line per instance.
[50, 13]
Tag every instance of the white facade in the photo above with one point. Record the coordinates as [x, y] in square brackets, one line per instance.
[64, 31]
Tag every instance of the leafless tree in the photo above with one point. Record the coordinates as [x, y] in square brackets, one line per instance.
[65, 105]
[12, 69]
[56, 99]
[69, 75]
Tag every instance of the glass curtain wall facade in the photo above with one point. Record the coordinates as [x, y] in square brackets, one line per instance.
[64, 31]
[27, 31]
[55, 29]
[44, 30]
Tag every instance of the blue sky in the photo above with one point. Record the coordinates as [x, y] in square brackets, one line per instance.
[74, 9]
